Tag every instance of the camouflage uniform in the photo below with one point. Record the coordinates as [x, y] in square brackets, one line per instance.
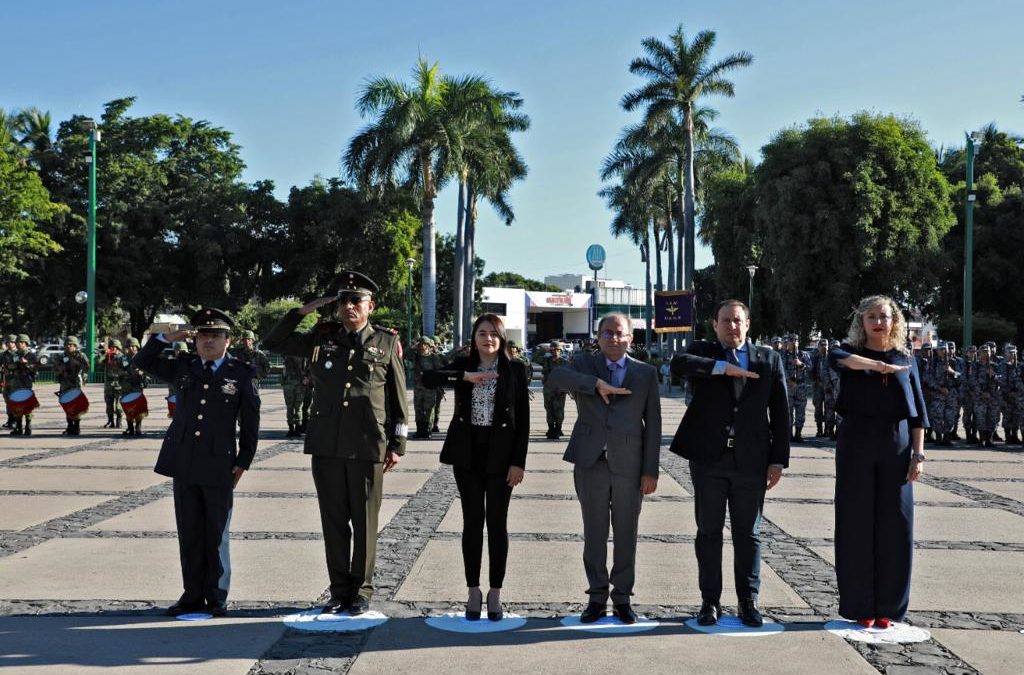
[798, 384]
[943, 381]
[71, 369]
[985, 391]
[21, 374]
[819, 377]
[1011, 386]
[133, 380]
[826, 379]
[293, 383]
[967, 396]
[424, 398]
[554, 401]
[6, 361]
[251, 356]
[114, 367]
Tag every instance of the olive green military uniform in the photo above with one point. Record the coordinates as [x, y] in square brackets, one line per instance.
[358, 415]
[22, 375]
[6, 361]
[253, 358]
[133, 380]
[554, 401]
[424, 398]
[71, 369]
[293, 383]
[114, 366]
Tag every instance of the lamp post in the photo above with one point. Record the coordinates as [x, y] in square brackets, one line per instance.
[90, 249]
[411, 262]
[751, 270]
[969, 242]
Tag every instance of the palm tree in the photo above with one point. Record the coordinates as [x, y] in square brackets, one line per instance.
[412, 140]
[34, 127]
[679, 74]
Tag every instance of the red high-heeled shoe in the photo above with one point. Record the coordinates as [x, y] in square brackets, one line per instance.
[866, 623]
[883, 622]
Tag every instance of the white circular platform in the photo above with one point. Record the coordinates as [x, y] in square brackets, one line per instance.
[610, 625]
[312, 619]
[456, 622]
[194, 616]
[731, 625]
[898, 633]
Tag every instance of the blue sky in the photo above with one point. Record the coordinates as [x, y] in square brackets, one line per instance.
[282, 76]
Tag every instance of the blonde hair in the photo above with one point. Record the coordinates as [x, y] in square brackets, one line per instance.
[897, 332]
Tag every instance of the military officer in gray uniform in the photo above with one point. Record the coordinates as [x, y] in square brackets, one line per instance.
[798, 381]
[357, 428]
[985, 392]
[216, 392]
[1011, 386]
[250, 356]
[943, 380]
[967, 395]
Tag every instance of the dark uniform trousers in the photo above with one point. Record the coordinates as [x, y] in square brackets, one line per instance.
[203, 516]
[349, 492]
[716, 484]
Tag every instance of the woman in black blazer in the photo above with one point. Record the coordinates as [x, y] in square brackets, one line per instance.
[486, 446]
[879, 455]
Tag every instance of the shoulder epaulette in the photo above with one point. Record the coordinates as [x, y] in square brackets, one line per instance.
[385, 329]
[326, 327]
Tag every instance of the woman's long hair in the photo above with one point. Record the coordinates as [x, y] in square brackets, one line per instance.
[897, 338]
[499, 326]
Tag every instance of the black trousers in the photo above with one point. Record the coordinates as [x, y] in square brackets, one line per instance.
[203, 516]
[874, 519]
[349, 492]
[485, 498]
[716, 487]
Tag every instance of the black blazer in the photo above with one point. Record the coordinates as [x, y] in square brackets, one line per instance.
[759, 417]
[199, 446]
[510, 433]
[862, 392]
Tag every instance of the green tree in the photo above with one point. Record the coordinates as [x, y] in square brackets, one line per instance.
[515, 280]
[680, 73]
[25, 215]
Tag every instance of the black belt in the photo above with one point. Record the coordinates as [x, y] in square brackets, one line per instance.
[730, 443]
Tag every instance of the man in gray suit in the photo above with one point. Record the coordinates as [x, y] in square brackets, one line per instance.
[614, 447]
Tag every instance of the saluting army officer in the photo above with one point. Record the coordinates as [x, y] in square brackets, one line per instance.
[357, 428]
[215, 392]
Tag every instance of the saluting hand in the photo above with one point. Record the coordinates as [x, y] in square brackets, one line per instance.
[735, 371]
[477, 378]
[314, 305]
[178, 335]
[605, 390]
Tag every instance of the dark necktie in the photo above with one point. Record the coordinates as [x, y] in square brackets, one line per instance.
[354, 337]
[617, 374]
[737, 382]
[208, 369]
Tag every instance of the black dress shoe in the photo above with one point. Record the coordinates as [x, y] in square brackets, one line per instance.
[593, 612]
[625, 613]
[749, 614]
[181, 607]
[217, 608]
[334, 606]
[359, 605]
[709, 612]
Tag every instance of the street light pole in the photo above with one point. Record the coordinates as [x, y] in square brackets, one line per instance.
[969, 247]
[90, 247]
[751, 270]
[408, 303]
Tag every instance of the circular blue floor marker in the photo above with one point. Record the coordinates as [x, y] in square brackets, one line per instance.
[456, 622]
[194, 616]
[313, 620]
[609, 625]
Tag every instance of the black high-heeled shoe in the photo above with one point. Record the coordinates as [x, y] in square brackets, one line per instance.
[473, 604]
[494, 609]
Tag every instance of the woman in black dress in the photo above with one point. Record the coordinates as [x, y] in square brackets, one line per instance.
[879, 454]
[486, 446]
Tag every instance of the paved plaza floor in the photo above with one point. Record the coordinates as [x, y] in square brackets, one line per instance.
[88, 561]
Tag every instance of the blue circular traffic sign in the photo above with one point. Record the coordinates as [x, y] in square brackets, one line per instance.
[595, 256]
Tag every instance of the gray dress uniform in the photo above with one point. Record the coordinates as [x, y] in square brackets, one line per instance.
[358, 414]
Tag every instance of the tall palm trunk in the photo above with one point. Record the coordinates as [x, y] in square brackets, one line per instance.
[658, 238]
[689, 206]
[460, 263]
[680, 225]
[469, 290]
[429, 277]
[671, 242]
[649, 238]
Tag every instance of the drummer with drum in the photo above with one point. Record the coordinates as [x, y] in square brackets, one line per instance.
[21, 374]
[133, 400]
[114, 367]
[6, 359]
[71, 369]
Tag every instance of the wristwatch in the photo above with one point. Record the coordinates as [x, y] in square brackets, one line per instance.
[917, 457]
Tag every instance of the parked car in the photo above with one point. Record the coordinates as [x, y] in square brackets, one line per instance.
[47, 353]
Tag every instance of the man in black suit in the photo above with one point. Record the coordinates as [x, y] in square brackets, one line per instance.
[215, 392]
[736, 435]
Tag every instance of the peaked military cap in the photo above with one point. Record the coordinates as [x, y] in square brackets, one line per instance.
[11, 337]
[248, 335]
[354, 282]
[71, 340]
[210, 319]
[133, 342]
[23, 338]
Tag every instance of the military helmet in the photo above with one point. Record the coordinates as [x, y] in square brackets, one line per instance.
[115, 343]
[248, 335]
[23, 338]
[926, 345]
[133, 342]
[11, 337]
[972, 349]
[950, 344]
[823, 342]
[1011, 349]
[181, 345]
[71, 340]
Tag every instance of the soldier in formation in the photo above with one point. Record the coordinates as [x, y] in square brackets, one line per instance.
[967, 396]
[252, 357]
[798, 383]
[984, 384]
[293, 383]
[71, 370]
[943, 381]
[1011, 386]
[425, 357]
[826, 388]
[554, 401]
[6, 361]
[21, 374]
[114, 366]
[133, 381]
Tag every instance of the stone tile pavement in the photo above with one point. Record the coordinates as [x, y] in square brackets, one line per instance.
[88, 559]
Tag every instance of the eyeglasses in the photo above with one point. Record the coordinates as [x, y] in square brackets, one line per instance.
[348, 299]
[608, 335]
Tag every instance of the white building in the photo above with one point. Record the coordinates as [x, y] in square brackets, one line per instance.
[538, 316]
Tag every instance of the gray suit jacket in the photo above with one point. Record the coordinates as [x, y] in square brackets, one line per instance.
[628, 428]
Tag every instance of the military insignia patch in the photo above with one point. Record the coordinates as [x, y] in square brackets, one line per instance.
[230, 387]
[375, 351]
